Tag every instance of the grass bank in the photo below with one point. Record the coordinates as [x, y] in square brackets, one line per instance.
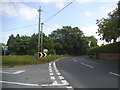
[27, 60]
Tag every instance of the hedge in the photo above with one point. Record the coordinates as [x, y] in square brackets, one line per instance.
[108, 48]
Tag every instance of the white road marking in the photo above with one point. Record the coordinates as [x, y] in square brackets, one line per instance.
[69, 87]
[18, 72]
[52, 77]
[52, 85]
[51, 74]
[55, 82]
[26, 84]
[49, 64]
[50, 71]
[87, 65]
[75, 60]
[58, 73]
[61, 77]
[65, 82]
[114, 74]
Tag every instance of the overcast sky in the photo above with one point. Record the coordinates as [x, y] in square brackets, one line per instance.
[81, 13]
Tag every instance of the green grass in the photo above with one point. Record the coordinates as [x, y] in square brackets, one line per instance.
[27, 60]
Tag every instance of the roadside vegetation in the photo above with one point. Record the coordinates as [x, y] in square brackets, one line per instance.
[108, 48]
[16, 60]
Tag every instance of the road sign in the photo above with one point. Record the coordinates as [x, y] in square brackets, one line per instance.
[42, 54]
[45, 50]
[5, 48]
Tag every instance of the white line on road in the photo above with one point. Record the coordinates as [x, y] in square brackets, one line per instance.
[75, 60]
[49, 64]
[18, 72]
[58, 73]
[65, 82]
[51, 74]
[114, 74]
[55, 82]
[53, 85]
[61, 77]
[69, 87]
[26, 84]
[87, 65]
[52, 77]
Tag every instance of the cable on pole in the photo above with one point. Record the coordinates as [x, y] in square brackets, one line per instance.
[19, 27]
[58, 12]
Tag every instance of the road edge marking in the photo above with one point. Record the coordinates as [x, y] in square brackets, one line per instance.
[114, 74]
[25, 84]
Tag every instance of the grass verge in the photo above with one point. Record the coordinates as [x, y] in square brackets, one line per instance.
[28, 60]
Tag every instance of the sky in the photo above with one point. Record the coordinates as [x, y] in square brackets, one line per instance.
[21, 16]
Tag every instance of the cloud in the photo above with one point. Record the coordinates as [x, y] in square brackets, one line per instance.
[91, 31]
[87, 13]
[19, 10]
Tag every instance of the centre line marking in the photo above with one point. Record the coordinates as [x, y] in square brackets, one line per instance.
[114, 74]
[26, 84]
[87, 65]
[75, 60]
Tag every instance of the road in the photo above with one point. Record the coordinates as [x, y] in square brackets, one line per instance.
[66, 73]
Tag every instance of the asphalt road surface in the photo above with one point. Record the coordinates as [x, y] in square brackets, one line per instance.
[67, 73]
[83, 73]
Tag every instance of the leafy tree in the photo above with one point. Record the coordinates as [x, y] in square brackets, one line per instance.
[11, 44]
[1, 48]
[109, 27]
[69, 40]
[25, 45]
[91, 40]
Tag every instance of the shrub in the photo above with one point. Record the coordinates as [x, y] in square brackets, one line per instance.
[108, 48]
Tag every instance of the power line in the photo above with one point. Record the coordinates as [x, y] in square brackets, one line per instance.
[44, 21]
[20, 27]
[58, 12]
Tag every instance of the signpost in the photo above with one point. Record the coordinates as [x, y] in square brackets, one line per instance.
[5, 48]
[43, 54]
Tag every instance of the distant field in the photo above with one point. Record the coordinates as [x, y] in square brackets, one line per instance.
[27, 60]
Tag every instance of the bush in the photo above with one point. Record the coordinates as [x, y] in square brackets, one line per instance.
[108, 48]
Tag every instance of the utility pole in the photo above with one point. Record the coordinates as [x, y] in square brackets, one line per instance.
[41, 36]
[39, 29]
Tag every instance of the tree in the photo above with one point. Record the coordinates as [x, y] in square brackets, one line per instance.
[91, 40]
[109, 27]
[25, 45]
[1, 48]
[69, 40]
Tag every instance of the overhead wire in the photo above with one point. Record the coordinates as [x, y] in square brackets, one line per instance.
[58, 12]
[19, 27]
[44, 21]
